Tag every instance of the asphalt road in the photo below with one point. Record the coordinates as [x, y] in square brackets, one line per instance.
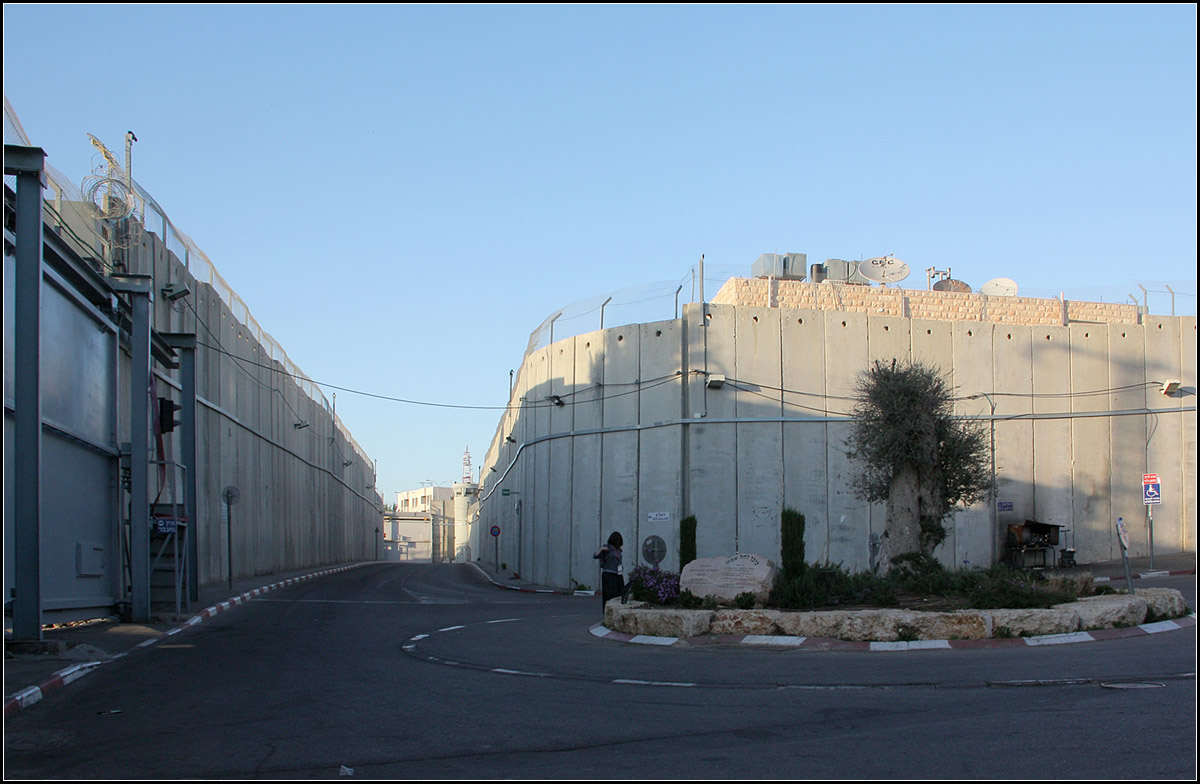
[406, 671]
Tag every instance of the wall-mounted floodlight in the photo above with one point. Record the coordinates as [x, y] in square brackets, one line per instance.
[556, 400]
[715, 381]
[346, 463]
[301, 425]
[510, 439]
[1170, 387]
[176, 291]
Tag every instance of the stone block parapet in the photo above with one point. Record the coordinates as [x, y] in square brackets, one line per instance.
[921, 304]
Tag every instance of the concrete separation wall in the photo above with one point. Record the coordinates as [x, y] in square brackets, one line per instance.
[734, 411]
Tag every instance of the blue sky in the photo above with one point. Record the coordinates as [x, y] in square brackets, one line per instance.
[401, 194]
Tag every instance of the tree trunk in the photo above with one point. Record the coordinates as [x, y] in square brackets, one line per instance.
[902, 528]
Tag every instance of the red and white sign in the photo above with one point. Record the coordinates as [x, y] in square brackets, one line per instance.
[1149, 479]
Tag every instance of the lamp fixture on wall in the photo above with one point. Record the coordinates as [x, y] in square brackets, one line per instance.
[301, 425]
[176, 291]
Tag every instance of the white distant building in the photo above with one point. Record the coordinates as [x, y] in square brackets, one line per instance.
[423, 499]
[409, 530]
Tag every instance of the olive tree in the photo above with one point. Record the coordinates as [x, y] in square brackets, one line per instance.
[914, 455]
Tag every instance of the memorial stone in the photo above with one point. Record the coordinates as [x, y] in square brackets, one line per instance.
[725, 577]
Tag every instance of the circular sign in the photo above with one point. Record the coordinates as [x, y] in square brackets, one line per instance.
[495, 530]
[654, 549]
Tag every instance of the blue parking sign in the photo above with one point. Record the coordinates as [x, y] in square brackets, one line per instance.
[1151, 489]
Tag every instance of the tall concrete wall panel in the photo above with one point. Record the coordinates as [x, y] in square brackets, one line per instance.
[1164, 361]
[848, 538]
[660, 480]
[806, 479]
[1126, 449]
[970, 538]
[758, 395]
[1012, 367]
[1091, 461]
[1187, 488]
[1052, 498]
[650, 433]
[712, 489]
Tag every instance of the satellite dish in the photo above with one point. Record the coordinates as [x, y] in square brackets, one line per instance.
[883, 269]
[950, 284]
[999, 287]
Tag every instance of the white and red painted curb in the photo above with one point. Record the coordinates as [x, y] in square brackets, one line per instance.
[1156, 573]
[830, 644]
[33, 694]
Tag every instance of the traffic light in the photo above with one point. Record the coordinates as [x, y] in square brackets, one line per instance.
[166, 414]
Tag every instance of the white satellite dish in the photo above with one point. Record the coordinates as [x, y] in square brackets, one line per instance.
[999, 287]
[883, 269]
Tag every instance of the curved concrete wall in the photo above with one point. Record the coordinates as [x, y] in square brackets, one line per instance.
[641, 440]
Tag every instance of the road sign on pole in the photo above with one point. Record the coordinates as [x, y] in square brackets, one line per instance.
[1151, 494]
[1151, 489]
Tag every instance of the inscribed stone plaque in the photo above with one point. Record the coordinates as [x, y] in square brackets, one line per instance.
[725, 577]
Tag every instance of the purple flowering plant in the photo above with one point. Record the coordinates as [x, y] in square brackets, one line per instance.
[653, 585]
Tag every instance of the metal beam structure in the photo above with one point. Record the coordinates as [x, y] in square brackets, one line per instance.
[141, 293]
[29, 166]
[185, 345]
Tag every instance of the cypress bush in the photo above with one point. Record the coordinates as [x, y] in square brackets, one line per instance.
[792, 543]
[687, 541]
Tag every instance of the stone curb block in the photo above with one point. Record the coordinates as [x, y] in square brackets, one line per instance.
[833, 644]
[1112, 611]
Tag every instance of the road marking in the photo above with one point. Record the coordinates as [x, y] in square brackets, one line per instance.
[632, 682]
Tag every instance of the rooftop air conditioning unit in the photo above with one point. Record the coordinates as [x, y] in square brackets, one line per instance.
[785, 266]
[840, 271]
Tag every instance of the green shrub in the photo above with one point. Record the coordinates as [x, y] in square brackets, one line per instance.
[921, 575]
[687, 541]
[744, 600]
[791, 528]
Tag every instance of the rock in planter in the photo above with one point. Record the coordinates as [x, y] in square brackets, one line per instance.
[745, 622]
[958, 625]
[857, 625]
[1034, 622]
[725, 578]
[1163, 602]
[1107, 612]
[638, 618]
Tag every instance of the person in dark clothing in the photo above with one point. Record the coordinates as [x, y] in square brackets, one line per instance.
[612, 581]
